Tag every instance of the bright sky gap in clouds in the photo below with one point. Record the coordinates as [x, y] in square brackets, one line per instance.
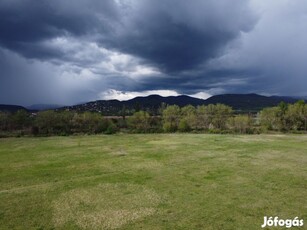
[66, 52]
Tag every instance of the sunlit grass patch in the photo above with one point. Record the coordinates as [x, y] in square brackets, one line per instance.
[106, 206]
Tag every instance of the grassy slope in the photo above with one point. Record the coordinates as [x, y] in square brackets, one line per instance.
[180, 181]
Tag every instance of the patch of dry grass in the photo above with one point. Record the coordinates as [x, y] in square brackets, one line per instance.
[106, 206]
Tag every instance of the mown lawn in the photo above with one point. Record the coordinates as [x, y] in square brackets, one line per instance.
[159, 181]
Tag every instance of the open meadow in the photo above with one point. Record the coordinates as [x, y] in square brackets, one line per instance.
[152, 181]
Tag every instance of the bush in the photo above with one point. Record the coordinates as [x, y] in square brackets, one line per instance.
[111, 129]
[171, 117]
[169, 127]
[34, 130]
[241, 124]
[184, 126]
[139, 122]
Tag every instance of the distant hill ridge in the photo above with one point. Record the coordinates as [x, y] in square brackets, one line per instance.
[240, 102]
[249, 101]
[11, 108]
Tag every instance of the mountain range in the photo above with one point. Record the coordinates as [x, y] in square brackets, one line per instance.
[239, 102]
[152, 103]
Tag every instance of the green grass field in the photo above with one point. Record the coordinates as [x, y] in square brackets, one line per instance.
[159, 181]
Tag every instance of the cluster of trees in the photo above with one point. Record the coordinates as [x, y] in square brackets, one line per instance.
[55, 123]
[217, 118]
[143, 122]
[220, 118]
[285, 117]
[190, 118]
[213, 118]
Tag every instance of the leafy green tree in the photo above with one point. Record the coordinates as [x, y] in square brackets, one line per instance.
[4, 121]
[188, 120]
[220, 113]
[156, 124]
[20, 119]
[112, 128]
[51, 122]
[241, 123]
[171, 117]
[274, 118]
[89, 122]
[184, 125]
[285, 117]
[212, 116]
[45, 121]
[268, 118]
[203, 117]
[63, 122]
[139, 121]
[281, 111]
[296, 116]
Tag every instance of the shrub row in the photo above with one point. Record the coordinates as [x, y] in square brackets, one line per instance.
[217, 118]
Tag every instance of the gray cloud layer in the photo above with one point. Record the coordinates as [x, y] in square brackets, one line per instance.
[71, 51]
[178, 35]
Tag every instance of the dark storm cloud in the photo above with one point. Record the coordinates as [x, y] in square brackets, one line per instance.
[177, 35]
[25, 24]
[172, 47]
[173, 35]
[75, 50]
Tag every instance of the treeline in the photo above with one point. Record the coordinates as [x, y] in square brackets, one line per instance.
[285, 117]
[50, 122]
[217, 118]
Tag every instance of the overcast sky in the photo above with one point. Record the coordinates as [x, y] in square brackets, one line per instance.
[72, 51]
